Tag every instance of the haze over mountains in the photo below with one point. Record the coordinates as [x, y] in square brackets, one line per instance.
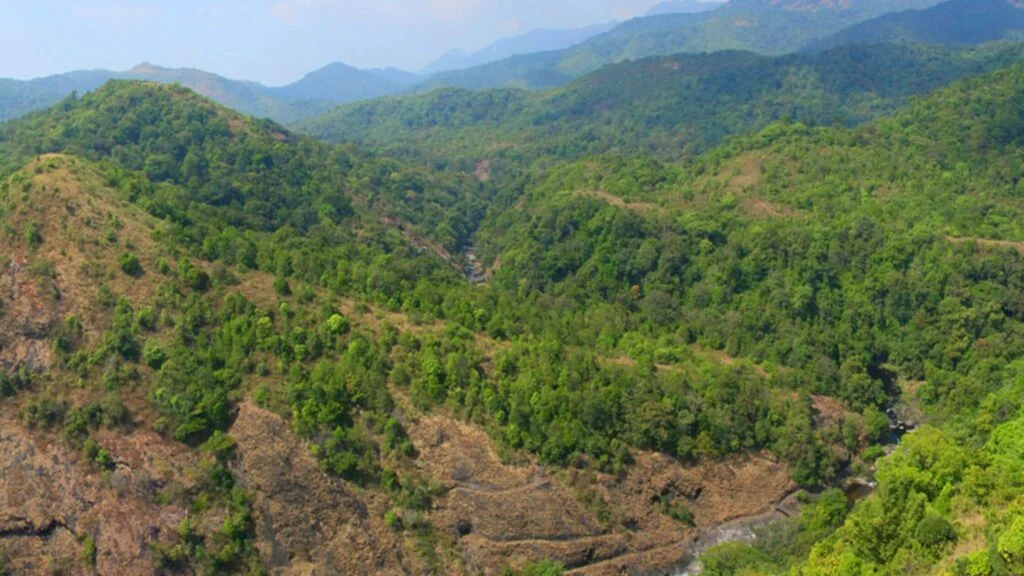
[317, 92]
[763, 26]
[534, 41]
[544, 59]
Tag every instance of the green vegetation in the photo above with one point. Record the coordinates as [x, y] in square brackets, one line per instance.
[699, 309]
[666, 107]
[754, 25]
[956, 22]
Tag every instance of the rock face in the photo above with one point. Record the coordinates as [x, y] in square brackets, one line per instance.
[490, 514]
[51, 501]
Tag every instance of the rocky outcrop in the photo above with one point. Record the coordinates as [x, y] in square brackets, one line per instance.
[51, 501]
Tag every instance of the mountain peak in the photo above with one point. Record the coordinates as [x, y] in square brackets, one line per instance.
[685, 7]
[147, 68]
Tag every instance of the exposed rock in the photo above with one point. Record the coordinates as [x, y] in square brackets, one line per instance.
[50, 500]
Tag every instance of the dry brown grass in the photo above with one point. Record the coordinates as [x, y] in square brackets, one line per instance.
[84, 228]
[986, 244]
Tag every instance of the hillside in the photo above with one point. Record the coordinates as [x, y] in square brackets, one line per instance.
[666, 106]
[762, 26]
[953, 23]
[227, 348]
[195, 301]
[339, 83]
[881, 261]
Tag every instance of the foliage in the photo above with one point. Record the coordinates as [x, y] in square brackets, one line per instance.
[665, 107]
[941, 24]
[713, 307]
[130, 264]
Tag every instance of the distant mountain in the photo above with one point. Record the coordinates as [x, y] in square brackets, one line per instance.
[318, 92]
[663, 106]
[340, 83]
[529, 43]
[768, 27]
[685, 7]
[958, 22]
[395, 76]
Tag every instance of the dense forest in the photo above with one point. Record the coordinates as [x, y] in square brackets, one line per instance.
[954, 23]
[694, 258]
[666, 107]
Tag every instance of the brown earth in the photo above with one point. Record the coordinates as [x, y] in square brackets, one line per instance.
[511, 514]
[83, 230]
[307, 522]
[51, 500]
[489, 513]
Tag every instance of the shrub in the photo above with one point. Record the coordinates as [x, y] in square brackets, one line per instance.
[89, 552]
[130, 264]
[154, 356]
[282, 288]
[44, 412]
[934, 531]
[33, 235]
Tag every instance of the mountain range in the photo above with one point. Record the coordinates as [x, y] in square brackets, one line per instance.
[685, 7]
[762, 26]
[531, 42]
[226, 348]
[725, 312]
[695, 101]
[956, 22]
[318, 92]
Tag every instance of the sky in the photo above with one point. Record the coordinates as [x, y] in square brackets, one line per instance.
[271, 41]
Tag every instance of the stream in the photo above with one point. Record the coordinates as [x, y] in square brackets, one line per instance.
[473, 269]
[746, 530]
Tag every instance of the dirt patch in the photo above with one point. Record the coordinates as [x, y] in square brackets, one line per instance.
[306, 521]
[483, 170]
[760, 208]
[641, 207]
[828, 412]
[988, 244]
[50, 499]
[510, 514]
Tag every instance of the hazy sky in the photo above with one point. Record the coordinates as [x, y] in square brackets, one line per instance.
[272, 41]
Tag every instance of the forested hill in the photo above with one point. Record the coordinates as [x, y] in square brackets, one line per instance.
[762, 26]
[279, 320]
[244, 172]
[881, 262]
[666, 107]
[952, 23]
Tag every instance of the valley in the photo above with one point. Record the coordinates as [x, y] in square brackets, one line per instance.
[727, 290]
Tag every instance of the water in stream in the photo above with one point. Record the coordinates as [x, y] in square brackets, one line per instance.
[473, 269]
[746, 530]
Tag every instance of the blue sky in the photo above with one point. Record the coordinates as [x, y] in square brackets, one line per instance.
[271, 41]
